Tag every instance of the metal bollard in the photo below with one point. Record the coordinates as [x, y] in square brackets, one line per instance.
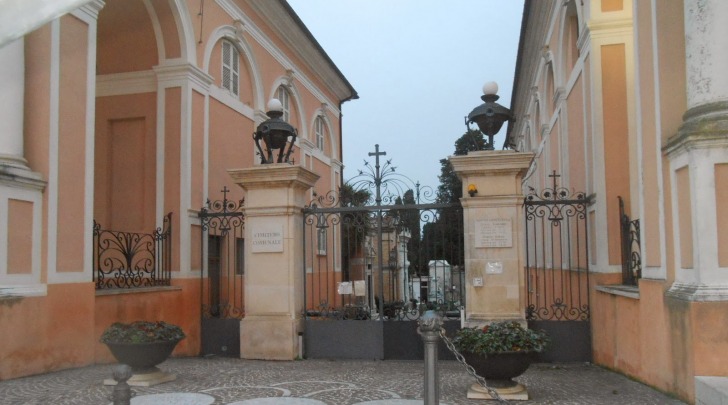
[122, 391]
[429, 328]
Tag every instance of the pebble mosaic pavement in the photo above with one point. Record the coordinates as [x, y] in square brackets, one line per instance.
[218, 381]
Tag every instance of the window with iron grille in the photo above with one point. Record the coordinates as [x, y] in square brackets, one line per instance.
[230, 67]
[320, 130]
[285, 98]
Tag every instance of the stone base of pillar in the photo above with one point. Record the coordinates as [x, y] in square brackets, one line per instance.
[12, 173]
[515, 393]
[269, 337]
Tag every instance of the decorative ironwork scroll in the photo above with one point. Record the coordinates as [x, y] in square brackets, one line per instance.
[132, 260]
[222, 224]
[630, 240]
[395, 255]
[557, 255]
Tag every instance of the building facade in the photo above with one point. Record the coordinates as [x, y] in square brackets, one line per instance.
[627, 101]
[117, 114]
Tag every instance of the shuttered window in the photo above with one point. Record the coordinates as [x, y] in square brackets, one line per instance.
[230, 67]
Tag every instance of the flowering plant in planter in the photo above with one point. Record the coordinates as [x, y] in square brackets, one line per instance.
[143, 345]
[142, 332]
[500, 337]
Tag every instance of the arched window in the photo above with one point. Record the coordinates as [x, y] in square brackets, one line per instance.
[230, 68]
[320, 130]
[285, 98]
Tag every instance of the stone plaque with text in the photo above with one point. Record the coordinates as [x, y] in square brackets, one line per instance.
[493, 233]
[267, 239]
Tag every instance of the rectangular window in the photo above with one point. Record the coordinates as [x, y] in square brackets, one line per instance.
[284, 98]
[240, 256]
[230, 67]
[319, 127]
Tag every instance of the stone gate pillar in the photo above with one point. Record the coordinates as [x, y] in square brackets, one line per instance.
[275, 195]
[493, 226]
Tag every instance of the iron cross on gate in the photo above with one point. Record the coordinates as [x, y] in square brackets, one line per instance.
[377, 178]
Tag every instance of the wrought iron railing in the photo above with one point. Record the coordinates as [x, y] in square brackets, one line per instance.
[557, 254]
[630, 239]
[132, 260]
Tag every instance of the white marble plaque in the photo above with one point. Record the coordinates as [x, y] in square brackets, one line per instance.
[267, 239]
[493, 233]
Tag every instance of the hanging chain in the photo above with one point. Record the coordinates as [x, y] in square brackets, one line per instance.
[493, 393]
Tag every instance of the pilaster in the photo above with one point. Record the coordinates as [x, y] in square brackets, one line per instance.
[492, 215]
[275, 196]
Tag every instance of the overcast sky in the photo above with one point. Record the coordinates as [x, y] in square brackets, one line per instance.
[419, 67]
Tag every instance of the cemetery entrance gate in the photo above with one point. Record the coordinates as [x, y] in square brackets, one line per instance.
[377, 255]
[222, 247]
[557, 271]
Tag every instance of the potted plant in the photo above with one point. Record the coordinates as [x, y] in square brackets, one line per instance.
[142, 345]
[500, 351]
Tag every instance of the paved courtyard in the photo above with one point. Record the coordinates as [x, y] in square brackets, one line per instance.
[217, 380]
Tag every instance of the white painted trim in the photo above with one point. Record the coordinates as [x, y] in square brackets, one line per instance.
[118, 84]
[256, 33]
[35, 197]
[89, 13]
[185, 31]
[661, 271]
[157, 28]
[161, 106]
[53, 124]
[90, 150]
[681, 275]
[185, 186]
[233, 35]
[223, 96]
[32, 290]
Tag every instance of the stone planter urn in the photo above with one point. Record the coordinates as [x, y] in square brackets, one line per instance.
[500, 352]
[142, 346]
[499, 370]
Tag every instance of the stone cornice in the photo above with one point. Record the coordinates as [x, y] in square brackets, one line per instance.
[490, 162]
[177, 72]
[126, 83]
[275, 12]
[274, 175]
[301, 41]
[21, 178]
[698, 292]
[705, 126]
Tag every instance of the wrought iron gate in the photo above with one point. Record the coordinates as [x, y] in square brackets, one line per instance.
[557, 270]
[222, 248]
[374, 251]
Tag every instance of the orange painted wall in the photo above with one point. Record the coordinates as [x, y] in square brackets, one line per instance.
[230, 147]
[180, 307]
[71, 145]
[20, 238]
[125, 38]
[616, 142]
[721, 205]
[110, 199]
[172, 170]
[60, 335]
[575, 137]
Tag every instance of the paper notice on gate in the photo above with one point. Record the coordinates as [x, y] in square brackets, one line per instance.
[344, 287]
[360, 288]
